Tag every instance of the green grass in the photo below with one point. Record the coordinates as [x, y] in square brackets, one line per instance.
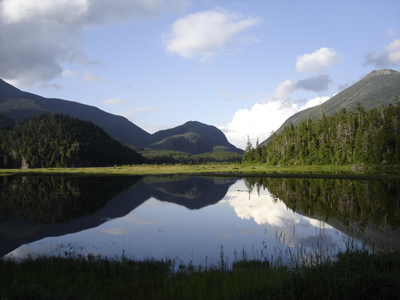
[354, 274]
[329, 171]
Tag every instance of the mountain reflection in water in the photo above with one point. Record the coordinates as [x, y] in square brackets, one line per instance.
[191, 218]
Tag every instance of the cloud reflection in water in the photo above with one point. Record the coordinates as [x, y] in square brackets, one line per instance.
[252, 221]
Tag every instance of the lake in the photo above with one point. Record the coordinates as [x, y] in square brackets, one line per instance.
[202, 220]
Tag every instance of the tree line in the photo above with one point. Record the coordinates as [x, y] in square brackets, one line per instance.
[347, 137]
[177, 157]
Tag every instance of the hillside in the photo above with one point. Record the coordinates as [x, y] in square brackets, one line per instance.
[346, 138]
[19, 105]
[51, 140]
[192, 137]
[380, 85]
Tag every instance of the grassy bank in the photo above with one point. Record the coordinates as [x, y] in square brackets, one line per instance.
[334, 171]
[355, 274]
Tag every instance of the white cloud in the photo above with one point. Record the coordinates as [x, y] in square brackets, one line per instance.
[53, 31]
[89, 77]
[17, 11]
[115, 101]
[258, 122]
[203, 34]
[314, 102]
[316, 61]
[268, 116]
[284, 90]
[391, 31]
[389, 58]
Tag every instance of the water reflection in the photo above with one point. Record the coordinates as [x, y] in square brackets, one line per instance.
[191, 218]
[365, 209]
[32, 208]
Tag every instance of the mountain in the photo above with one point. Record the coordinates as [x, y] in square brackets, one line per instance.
[380, 85]
[192, 137]
[6, 121]
[18, 105]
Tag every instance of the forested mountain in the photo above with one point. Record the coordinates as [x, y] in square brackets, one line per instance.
[19, 105]
[6, 121]
[55, 140]
[192, 137]
[347, 137]
[380, 85]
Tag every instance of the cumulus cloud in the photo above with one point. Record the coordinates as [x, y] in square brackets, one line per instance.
[284, 90]
[266, 117]
[38, 37]
[258, 122]
[203, 34]
[318, 83]
[316, 61]
[314, 102]
[390, 57]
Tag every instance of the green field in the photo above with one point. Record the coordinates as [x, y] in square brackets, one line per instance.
[329, 171]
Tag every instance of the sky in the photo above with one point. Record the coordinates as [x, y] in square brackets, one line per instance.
[242, 66]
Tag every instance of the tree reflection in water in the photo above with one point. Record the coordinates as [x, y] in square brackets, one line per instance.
[194, 217]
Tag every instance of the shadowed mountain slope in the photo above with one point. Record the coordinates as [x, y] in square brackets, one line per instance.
[192, 137]
[19, 105]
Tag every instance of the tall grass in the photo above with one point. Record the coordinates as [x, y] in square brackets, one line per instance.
[328, 171]
[353, 273]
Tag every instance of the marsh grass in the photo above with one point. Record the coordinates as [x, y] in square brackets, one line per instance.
[215, 169]
[354, 273]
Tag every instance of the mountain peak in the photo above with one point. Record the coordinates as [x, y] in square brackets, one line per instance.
[382, 72]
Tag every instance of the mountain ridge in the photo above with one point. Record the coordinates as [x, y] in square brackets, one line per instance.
[117, 127]
[19, 105]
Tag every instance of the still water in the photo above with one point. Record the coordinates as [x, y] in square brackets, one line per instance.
[194, 219]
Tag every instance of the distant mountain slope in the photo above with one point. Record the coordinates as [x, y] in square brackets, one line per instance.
[19, 105]
[192, 137]
[379, 85]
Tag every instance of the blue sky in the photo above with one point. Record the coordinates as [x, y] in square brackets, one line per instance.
[242, 66]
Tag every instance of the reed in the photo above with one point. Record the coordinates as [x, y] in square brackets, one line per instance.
[353, 273]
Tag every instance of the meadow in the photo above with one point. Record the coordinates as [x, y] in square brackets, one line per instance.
[215, 169]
